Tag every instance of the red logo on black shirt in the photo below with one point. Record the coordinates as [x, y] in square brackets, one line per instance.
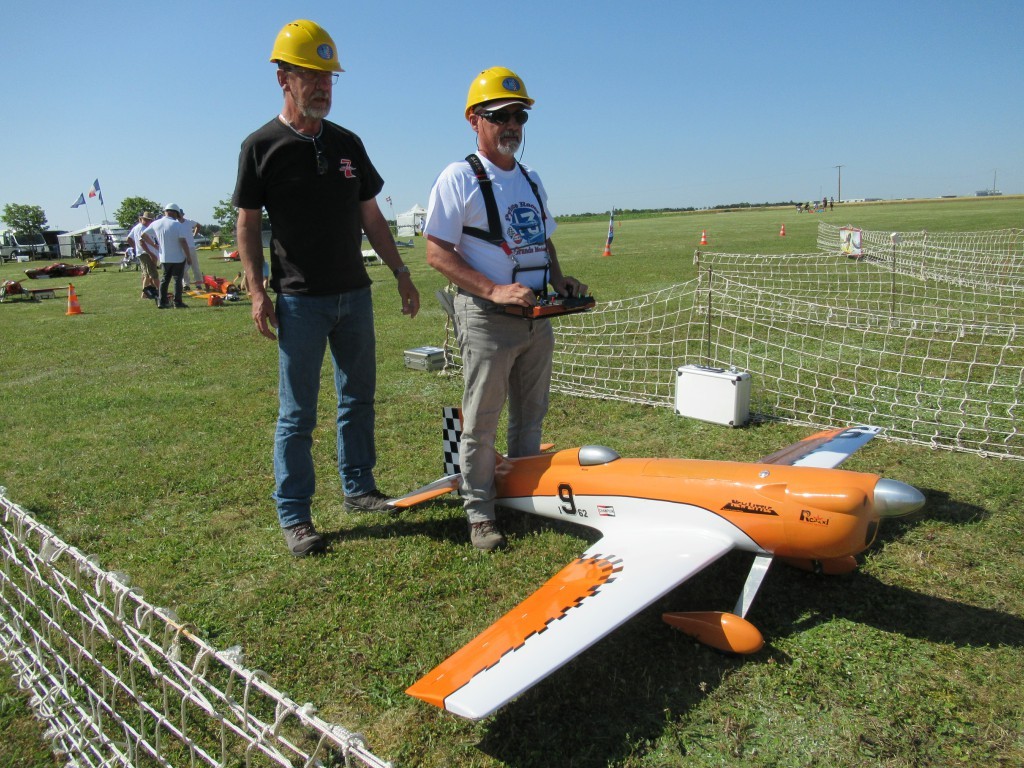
[346, 168]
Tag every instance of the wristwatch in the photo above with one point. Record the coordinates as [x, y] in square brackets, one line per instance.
[404, 268]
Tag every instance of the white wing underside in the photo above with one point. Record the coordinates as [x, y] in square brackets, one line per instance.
[645, 567]
[826, 450]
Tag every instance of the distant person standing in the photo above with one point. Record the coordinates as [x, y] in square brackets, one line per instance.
[319, 188]
[150, 274]
[167, 239]
[193, 275]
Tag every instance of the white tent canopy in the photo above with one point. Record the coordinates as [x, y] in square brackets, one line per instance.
[411, 222]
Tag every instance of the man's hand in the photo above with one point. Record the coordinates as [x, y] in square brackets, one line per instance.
[410, 296]
[263, 314]
[513, 293]
[569, 286]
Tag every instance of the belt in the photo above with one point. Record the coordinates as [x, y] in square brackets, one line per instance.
[485, 304]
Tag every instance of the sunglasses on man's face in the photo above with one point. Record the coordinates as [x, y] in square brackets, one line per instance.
[311, 76]
[501, 117]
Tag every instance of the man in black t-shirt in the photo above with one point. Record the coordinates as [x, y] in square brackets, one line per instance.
[319, 189]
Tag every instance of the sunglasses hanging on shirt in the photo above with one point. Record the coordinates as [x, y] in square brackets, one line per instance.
[321, 158]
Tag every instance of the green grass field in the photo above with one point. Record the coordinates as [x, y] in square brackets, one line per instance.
[144, 437]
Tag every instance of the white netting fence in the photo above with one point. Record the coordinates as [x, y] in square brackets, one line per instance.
[989, 260]
[121, 682]
[830, 340]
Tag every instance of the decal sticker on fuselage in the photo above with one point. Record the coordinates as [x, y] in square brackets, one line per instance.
[806, 516]
[749, 507]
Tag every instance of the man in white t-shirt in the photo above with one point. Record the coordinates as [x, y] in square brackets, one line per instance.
[150, 276]
[170, 242]
[497, 250]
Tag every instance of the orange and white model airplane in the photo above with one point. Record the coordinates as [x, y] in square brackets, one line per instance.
[662, 521]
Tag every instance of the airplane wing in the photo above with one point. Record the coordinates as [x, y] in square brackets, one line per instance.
[429, 491]
[825, 449]
[616, 578]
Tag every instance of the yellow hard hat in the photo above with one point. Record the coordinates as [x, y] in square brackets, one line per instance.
[496, 83]
[306, 44]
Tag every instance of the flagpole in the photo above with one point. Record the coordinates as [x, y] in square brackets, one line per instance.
[95, 191]
[79, 203]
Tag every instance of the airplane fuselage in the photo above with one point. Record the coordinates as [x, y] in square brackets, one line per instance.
[794, 512]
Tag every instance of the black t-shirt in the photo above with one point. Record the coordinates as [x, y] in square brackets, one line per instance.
[316, 230]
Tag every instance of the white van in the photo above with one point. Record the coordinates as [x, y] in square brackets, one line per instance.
[21, 246]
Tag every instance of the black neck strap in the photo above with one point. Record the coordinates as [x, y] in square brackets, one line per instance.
[493, 233]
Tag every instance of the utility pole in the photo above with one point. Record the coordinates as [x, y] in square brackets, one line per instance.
[840, 193]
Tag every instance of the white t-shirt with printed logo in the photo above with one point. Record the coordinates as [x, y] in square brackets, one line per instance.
[456, 202]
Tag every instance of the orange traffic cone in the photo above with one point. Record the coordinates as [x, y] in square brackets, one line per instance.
[73, 308]
[782, 232]
[703, 237]
[607, 250]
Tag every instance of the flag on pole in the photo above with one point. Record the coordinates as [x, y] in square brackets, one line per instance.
[79, 201]
[94, 191]
[611, 233]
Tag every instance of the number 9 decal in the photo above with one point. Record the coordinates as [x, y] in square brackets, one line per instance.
[565, 496]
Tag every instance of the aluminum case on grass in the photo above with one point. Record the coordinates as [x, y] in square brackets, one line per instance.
[424, 358]
[716, 395]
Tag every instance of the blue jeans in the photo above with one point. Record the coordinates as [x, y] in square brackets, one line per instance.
[306, 325]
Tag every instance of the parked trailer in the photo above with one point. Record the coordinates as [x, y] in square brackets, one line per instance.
[93, 241]
[21, 246]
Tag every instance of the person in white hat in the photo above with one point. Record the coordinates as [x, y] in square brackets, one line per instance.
[168, 240]
[150, 274]
[489, 232]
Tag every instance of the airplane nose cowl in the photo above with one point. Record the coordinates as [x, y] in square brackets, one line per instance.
[893, 498]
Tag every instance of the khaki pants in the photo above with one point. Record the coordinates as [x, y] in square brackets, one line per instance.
[504, 358]
[150, 275]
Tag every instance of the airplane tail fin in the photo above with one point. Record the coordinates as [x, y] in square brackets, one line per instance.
[451, 438]
[451, 434]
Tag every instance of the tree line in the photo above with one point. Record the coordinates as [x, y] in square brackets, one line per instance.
[31, 219]
[649, 213]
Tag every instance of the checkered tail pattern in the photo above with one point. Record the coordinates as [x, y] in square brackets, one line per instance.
[451, 433]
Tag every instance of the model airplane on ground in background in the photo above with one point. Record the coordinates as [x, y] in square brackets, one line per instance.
[662, 521]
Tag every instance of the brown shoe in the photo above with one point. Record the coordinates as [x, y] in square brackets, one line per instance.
[374, 501]
[302, 540]
[486, 536]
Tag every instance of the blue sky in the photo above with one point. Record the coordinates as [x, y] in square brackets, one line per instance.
[639, 104]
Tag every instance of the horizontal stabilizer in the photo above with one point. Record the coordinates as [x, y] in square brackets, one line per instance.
[447, 303]
[430, 491]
